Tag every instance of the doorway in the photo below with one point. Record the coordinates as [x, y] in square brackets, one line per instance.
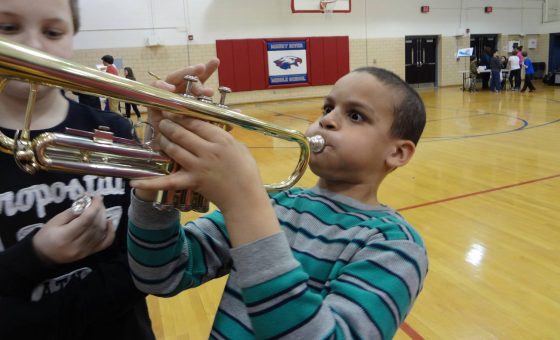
[554, 53]
[420, 60]
[480, 41]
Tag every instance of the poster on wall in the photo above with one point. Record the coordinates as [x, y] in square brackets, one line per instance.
[287, 62]
[465, 52]
[512, 44]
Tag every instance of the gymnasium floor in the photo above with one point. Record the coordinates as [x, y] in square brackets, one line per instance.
[484, 192]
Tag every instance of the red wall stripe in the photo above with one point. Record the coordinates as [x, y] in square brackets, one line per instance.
[316, 60]
[241, 66]
[258, 73]
[224, 51]
[343, 55]
[330, 61]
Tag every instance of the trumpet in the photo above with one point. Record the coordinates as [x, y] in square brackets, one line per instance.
[98, 152]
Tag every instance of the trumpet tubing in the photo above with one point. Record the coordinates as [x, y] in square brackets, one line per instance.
[99, 152]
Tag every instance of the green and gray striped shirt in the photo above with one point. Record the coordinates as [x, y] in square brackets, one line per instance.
[340, 269]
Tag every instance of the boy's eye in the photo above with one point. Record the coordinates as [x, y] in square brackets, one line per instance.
[8, 28]
[356, 116]
[327, 109]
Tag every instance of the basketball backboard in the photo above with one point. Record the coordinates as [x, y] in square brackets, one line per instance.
[321, 6]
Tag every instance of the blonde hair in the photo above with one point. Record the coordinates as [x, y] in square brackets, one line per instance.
[75, 15]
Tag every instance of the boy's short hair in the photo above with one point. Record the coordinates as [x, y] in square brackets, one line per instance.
[108, 59]
[75, 15]
[524, 53]
[409, 113]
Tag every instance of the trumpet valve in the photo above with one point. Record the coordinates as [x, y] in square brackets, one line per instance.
[190, 81]
[223, 93]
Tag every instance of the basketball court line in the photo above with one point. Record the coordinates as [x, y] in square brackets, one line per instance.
[407, 328]
[453, 198]
[410, 332]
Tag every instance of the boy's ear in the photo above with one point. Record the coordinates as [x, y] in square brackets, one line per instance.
[401, 154]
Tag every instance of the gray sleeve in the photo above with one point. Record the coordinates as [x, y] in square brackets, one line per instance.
[144, 215]
[262, 260]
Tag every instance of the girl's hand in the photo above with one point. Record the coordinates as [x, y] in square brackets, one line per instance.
[67, 238]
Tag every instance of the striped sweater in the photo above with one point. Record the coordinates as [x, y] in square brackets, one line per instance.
[340, 269]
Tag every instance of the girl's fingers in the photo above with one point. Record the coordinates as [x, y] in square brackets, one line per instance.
[75, 226]
[109, 237]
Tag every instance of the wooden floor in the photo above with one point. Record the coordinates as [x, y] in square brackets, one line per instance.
[484, 192]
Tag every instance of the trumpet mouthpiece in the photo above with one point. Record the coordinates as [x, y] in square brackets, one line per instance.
[316, 143]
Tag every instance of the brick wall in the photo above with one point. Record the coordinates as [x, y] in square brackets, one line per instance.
[449, 70]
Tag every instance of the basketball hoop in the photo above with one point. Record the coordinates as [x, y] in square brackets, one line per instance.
[327, 6]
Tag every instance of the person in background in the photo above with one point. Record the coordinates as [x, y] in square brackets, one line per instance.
[320, 263]
[473, 74]
[129, 74]
[111, 104]
[504, 61]
[514, 71]
[505, 71]
[529, 73]
[519, 55]
[496, 70]
[485, 61]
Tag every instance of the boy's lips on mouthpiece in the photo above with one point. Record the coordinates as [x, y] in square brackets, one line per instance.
[316, 143]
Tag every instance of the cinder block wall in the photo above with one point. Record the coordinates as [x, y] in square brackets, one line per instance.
[381, 52]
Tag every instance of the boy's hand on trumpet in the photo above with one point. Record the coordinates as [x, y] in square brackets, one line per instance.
[221, 169]
[176, 83]
[212, 163]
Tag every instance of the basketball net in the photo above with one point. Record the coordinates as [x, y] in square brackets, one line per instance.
[327, 7]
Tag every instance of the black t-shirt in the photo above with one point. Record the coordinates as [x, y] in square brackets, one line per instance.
[93, 298]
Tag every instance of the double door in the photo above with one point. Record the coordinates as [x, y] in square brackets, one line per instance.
[420, 60]
[482, 42]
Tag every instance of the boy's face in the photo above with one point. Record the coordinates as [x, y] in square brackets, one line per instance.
[356, 122]
[45, 25]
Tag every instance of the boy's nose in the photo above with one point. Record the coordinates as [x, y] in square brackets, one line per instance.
[329, 121]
